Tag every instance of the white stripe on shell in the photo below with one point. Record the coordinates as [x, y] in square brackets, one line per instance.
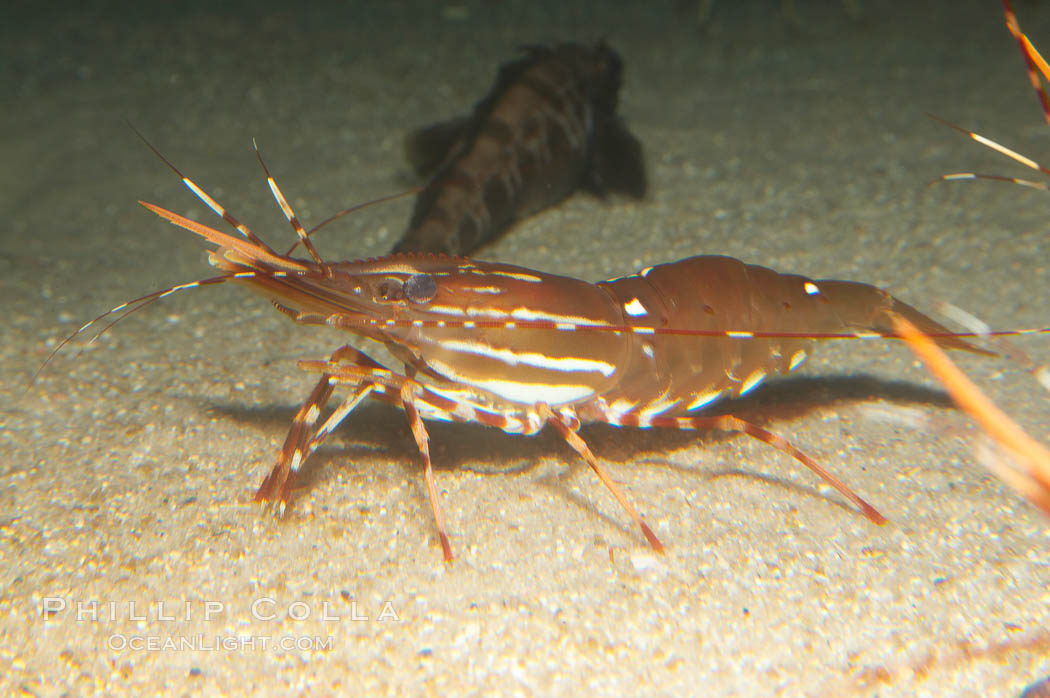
[567, 364]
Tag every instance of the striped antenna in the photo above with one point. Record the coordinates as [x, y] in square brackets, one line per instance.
[286, 208]
[205, 197]
[122, 311]
[999, 148]
[1036, 67]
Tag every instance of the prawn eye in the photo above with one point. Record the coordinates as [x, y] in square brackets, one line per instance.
[420, 288]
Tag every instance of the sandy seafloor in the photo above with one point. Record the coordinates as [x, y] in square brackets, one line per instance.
[128, 468]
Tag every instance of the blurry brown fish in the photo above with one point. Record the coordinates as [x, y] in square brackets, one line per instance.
[548, 126]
